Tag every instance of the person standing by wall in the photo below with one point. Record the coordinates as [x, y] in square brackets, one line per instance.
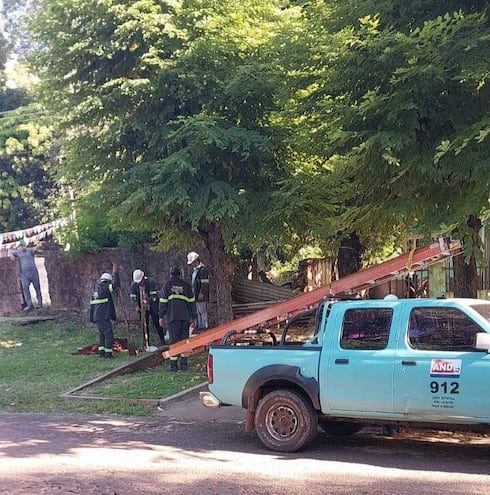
[28, 273]
[178, 311]
[145, 299]
[200, 289]
[103, 311]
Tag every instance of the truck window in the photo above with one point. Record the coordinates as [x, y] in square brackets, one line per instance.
[366, 329]
[441, 329]
[301, 328]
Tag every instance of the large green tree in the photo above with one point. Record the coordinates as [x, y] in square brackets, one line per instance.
[395, 99]
[25, 185]
[165, 108]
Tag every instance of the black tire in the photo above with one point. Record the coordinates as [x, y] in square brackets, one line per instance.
[285, 421]
[339, 428]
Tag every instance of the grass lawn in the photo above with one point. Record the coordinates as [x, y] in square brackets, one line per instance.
[37, 365]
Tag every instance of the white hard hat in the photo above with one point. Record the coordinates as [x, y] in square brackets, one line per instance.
[390, 297]
[191, 257]
[138, 276]
[106, 276]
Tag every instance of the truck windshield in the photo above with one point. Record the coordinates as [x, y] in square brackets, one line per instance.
[483, 309]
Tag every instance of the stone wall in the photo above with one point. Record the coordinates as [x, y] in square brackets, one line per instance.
[71, 279]
[11, 293]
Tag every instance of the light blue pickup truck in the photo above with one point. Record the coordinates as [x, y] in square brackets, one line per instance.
[416, 362]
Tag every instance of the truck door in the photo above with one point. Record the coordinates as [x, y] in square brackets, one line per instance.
[358, 374]
[438, 375]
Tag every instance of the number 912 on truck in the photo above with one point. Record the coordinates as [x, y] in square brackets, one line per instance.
[348, 364]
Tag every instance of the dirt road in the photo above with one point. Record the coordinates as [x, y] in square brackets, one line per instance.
[185, 449]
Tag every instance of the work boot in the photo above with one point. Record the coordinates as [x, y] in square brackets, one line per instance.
[173, 366]
[102, 354]
[183, 364]
[109, 355]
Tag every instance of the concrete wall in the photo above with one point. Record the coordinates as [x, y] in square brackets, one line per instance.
[71, 280]
[11, 294]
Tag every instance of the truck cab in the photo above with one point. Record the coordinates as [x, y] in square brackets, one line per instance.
[412, 359]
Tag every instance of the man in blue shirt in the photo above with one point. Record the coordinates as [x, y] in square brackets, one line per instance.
[28, 273]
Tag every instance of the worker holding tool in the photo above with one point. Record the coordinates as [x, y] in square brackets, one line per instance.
[144, 296]
[103, 311]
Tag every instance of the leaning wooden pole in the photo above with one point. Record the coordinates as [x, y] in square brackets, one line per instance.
[369, 277]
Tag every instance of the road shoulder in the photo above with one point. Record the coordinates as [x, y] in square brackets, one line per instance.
[186, 405]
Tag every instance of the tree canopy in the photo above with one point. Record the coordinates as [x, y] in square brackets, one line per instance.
[26, 186]
[394, 107]
[165, 106]
[271, 122]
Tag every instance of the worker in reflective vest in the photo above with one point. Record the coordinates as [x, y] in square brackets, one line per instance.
[178, 311]
[200, 289]
[145, 298]
[103, 312]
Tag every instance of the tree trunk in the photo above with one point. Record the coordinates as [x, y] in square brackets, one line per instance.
[465, 277]
[221, 271]
[254, 267]
[349, 256]
[466, 281]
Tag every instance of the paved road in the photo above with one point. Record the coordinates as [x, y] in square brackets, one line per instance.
[188, 450]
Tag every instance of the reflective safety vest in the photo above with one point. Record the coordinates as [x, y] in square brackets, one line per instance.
[101, 303]
[150, 291]
[200, 283]
[177, 302]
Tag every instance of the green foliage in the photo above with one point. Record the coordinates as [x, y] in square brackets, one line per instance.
[166, 107]
[26, 186]
[92, 230]
[395, 105]
[287, 270]
[287, 124]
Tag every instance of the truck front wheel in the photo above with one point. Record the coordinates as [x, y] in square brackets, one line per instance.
[285, 421]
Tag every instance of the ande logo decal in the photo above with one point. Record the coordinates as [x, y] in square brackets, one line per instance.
[445, 368]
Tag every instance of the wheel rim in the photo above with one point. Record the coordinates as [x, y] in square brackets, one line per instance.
[281, 422]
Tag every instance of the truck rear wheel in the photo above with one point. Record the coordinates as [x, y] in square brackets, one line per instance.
[285, 421]
[339, 428]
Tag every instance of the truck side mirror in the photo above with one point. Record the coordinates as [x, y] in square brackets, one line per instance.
[482, 341]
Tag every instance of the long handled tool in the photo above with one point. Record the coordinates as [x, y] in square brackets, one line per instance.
[144, 326]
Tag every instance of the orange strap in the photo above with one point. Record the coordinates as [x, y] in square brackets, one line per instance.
[409, 259]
